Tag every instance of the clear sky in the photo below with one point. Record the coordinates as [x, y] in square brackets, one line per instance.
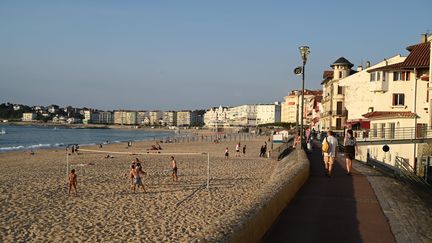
[166, 55]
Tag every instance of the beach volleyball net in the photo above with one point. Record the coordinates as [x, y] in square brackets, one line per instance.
[71, 160]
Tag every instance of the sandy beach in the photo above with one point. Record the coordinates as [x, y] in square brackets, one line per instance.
[35, 205]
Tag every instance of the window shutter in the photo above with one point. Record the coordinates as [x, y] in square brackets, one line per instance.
[394, 99]
[402, 99]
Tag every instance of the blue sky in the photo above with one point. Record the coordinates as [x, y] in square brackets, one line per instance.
[189, 54]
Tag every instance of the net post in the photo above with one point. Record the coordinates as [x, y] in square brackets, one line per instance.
[208, 170]
[67, 162]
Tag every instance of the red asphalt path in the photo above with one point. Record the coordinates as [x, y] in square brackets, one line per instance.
[338, 209]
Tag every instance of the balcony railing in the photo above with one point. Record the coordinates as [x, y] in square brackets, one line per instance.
[336, 113]
[401, 133]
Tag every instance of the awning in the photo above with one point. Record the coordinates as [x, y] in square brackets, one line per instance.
[358, 124]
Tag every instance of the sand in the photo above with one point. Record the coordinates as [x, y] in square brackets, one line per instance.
[35, 206]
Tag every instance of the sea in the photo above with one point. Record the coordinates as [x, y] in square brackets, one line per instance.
[29, 137]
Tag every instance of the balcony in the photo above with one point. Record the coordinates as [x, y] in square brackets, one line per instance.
[378, 86]
[343, 112]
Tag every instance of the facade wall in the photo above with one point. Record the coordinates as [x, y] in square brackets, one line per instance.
[269, 113]
[155, 117]
[29, 116]
[170, 118]
[125, 117]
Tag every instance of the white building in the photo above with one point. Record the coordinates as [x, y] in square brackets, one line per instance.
[141, 117]
[362, 93]
[216, 117]
[170, 118]
[187, 118]
[400, 102]
[268, 113]
[244, 115]
[125, 117]
[155, 117]
[27, 117]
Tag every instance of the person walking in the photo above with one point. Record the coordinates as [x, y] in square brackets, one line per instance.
[174, 169]
[238, 149]
[330, 154]
[244, 150]
[72, 182]
[351, 150]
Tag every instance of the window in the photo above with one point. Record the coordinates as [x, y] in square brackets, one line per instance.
[372, 76]
[374, 130]
[398, 99]
[339, 89]
[340, 74]
[392, 130]
[382, 130]
[378, 76]
[401, 76]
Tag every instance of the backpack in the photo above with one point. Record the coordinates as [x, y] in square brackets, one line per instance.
[325, 146]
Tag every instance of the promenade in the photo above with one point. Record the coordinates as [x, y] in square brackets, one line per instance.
[338, 209]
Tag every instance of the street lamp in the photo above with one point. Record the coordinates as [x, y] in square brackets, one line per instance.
[304, 52]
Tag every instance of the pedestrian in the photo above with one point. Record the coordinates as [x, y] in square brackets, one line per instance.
[238, 149]
[174, 169]
[297, 140]
[226, 153]
[351, 150]
[244, 150]
[72, 182]
[330, 156]
[137, 180]
[261, 154]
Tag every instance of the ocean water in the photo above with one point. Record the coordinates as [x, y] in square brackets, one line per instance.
[37, 137]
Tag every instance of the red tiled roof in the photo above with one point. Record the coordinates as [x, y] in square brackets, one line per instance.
[389, 114]
[327, 74]
[419, 56]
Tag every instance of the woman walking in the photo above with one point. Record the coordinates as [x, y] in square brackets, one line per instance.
[351, 150]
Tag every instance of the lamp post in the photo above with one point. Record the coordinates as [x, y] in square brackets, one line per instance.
[304, 51]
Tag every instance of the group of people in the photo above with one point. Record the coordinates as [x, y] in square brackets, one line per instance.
[237, 148]
[330, 154]
[135, 174]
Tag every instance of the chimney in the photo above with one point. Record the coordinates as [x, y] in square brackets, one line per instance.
[359, 68]
[367, 64]
[423, 38]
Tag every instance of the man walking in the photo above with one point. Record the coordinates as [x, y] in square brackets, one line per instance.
[330, 154]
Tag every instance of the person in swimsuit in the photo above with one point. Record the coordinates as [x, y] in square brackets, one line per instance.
[174, 169]
[72, 181]
[226, 153]
[137, 180]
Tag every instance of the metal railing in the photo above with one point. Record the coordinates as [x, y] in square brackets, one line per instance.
[406, 171]
[401, 133]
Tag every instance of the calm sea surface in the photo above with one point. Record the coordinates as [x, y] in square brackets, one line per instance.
[35, 137]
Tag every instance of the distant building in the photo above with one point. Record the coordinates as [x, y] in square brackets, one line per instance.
[125, 117]
[268, 113]
[170, 118]
[216, 117]
[292, 107]
[53, 109]
[187, 118]
[27, 117]
[334, 114]
[155, 117]
[17, 107]
[141, 118]
[106, 117]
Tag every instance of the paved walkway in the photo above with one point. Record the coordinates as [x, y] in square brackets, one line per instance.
[337, 209]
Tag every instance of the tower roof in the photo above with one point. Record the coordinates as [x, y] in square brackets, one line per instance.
[342, 62]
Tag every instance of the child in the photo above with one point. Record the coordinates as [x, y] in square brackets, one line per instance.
[226, 153]
[72, 181]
